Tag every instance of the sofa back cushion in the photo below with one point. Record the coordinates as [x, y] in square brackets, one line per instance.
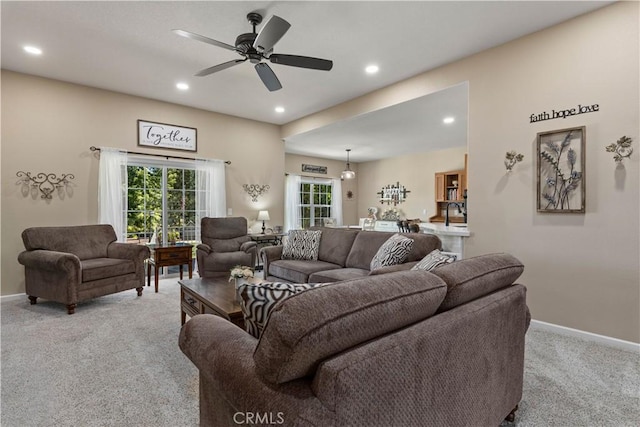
[257, 300]
[471, 278]
[310, 326]
[366, 245]
[84, 241]
[335, 244]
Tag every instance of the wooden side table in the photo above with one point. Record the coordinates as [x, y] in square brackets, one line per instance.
[164, 256]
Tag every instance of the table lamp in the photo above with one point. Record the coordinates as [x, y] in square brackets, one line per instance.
[263, 216]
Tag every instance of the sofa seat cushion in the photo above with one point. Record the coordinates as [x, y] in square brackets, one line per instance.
[472, 278]
[298, 271]
[308, 327]
[102, 268]
[392, 252]
[335, 244]
[337, 275]
[258, 299]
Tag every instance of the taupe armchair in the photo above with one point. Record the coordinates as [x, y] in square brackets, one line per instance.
[225, 244]
[74, 264]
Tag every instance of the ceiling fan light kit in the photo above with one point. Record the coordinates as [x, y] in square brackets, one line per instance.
[256, 47]
[348, 173]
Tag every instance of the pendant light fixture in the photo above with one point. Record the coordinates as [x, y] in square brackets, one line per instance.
[348, 173]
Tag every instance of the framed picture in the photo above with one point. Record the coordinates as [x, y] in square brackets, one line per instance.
[561, 163]
[163, 135]
[314, 169]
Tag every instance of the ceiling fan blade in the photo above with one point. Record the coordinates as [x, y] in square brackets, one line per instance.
[302, 61]
[270, 33]
[198, 37]
[220, 67]
[268, 77]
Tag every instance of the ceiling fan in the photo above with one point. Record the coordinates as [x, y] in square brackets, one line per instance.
[256, 47]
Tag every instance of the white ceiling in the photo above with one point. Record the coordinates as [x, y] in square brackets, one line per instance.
[128, 47]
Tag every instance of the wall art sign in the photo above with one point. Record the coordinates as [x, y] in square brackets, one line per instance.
[563, 114]
[314, 169]
[561, 163]
[163, 135]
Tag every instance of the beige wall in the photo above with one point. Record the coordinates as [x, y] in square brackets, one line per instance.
[48, 126]
[416, 172]
[293, 164]
[581, 270]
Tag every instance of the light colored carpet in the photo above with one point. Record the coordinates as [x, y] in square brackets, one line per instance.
[116, 362]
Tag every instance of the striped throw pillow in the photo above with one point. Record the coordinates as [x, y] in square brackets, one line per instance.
[302, 245]
[392, 252]
[434, 259]
[258, 299]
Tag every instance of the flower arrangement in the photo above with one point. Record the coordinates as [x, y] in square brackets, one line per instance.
[241, 272]
[392, 214]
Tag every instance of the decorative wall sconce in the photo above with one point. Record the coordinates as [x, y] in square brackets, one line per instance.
[393, 194]
[511, 159]
[45, 183]
[255, 190]
[621, 148]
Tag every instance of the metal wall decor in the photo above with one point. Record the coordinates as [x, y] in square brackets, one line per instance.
[511, 159]
[393, 194]
[621, 148]
[44, 183]
[561, 163]
[255, 190]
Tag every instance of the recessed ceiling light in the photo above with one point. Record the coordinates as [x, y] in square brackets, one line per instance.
[371, 69]
[182, 86]
[448, 120]
[33, 50]
[279, 109]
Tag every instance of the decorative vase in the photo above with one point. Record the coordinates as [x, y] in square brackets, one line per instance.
[240, 281]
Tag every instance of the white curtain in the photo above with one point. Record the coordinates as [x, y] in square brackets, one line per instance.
[112, 190]
[211, 196]
[292, 203]
[336, 200]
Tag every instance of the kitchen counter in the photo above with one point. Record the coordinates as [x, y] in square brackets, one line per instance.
[452, 236]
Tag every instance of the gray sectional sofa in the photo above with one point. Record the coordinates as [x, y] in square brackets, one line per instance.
[343, 254]
[407, 348]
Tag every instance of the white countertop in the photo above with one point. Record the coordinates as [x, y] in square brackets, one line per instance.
[439, 228]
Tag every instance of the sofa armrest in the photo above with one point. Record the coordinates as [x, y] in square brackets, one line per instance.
[248, 246]
[133, 252]
[204, 247]
[223, 353]
[269, 254]
[41, 259]
[392, 268]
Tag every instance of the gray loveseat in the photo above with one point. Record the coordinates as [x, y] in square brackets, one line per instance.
[408, 348]
[77, 263]
[343, 254]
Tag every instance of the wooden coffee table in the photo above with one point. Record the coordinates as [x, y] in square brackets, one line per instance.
[210, 296]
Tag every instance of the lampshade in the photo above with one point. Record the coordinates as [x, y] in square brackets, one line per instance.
[348, 173]
[263, 216]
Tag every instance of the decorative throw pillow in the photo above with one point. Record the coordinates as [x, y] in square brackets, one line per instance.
[392, 252]
[302, 245]
[258, 299]
[434, 259]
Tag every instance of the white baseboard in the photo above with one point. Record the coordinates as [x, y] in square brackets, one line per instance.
[602, 339]
[13, 297]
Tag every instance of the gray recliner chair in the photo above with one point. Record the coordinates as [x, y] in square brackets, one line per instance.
[77, 263]
[225, 244]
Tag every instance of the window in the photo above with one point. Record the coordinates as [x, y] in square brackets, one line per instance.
[160, 197]
[315, 203]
